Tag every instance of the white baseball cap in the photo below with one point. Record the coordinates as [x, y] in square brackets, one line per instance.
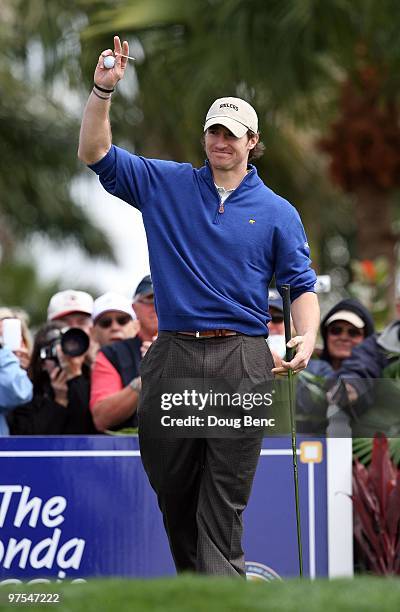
[348, 316]
[233, 113]
[112, 301]
[68, 301]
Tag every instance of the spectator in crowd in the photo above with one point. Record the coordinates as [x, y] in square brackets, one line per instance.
[115, 376]
[344, 327]
[276, 327]
[369, 360]
[113, 319]
[143, 305]
[365, 389]
[61, 384]
[74, 309]
[15, 386]
[25, 350]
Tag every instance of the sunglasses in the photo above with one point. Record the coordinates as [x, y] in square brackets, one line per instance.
[277, 319]
[108, 321]
[146, 299]
[352, 332]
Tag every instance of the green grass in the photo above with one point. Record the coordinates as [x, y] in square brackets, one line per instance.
[201, 594]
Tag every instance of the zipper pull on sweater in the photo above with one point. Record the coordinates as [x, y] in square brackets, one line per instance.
[221, 208]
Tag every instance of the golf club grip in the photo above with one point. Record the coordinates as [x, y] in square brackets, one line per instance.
[286, 319]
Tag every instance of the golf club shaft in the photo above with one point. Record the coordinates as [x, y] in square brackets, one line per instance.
[289, 356]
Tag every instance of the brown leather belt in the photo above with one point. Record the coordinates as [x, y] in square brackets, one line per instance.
[209, 333]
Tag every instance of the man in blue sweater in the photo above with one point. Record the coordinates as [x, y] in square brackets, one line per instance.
[216, 237]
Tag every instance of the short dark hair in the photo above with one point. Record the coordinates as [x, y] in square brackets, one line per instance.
[254, 153]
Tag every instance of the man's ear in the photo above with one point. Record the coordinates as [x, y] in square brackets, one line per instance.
[253, 141]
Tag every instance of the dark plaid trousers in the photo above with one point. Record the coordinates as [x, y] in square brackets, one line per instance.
[202, 484]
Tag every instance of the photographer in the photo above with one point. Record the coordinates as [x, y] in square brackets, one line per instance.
[61, 386]
[74, 309]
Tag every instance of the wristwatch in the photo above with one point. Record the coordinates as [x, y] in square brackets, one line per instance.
[136, 384]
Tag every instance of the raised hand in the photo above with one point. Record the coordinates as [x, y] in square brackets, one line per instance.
[109, 77]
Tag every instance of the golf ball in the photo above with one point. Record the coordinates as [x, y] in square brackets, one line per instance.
[109, 61]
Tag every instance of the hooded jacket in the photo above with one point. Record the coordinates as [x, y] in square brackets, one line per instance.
[350, 305]
[322, 367]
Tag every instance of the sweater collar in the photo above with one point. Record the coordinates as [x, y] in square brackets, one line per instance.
[251, 175]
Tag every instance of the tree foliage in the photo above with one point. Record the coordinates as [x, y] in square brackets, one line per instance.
[319, 73]
[38, 137]
[293, 60]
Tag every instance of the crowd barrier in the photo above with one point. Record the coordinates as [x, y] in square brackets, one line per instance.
[72, 508]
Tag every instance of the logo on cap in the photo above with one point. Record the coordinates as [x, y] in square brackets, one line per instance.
[229, 106]
[235, 114]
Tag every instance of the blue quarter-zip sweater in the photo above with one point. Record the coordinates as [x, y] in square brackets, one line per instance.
[210, 269]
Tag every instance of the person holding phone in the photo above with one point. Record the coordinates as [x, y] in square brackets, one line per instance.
[14, 327]
[15, 386]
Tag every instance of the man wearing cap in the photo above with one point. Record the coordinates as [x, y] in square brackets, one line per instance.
[143, 305]
[216, 237]
[115, 375]
[276, 327]
[275, 324]
[73, 307]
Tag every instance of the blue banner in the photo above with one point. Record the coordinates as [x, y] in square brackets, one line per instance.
[78, 507]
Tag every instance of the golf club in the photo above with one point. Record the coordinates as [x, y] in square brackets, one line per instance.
[289, 357]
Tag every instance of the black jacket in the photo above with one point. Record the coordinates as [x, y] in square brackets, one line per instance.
[44, 416]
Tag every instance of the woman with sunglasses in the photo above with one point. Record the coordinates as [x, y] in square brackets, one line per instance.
[345, 326]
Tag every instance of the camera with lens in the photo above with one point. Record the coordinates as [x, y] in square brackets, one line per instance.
[73, 341]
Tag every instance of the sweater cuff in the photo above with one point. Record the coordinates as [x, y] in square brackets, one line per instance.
[104, 162]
